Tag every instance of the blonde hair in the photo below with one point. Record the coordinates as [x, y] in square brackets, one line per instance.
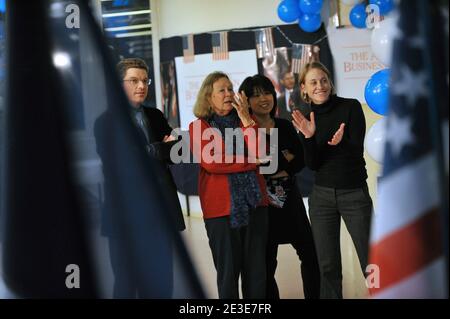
[202, 108]
[309, 66]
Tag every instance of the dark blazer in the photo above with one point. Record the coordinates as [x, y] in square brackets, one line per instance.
[285, 223]
[300, 105]
[158, 129]
[305, 177]
[282, 111]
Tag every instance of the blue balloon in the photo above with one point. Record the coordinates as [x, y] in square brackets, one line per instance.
[385, 5]
[310, 22]
[288, 11]
[311, 6]
[377, 91]
[358, 16]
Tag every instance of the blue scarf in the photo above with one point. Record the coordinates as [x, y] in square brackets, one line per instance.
[244, 187]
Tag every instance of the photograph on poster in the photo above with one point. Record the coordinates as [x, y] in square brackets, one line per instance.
[169, 93]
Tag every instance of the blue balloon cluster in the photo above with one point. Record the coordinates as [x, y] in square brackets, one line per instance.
[288, 10]
[311, 6]
[358, 16]
[377, 92]
[310, 22]
[307, 12]
[385, 6]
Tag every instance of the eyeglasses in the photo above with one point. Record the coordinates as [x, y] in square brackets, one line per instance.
[135, 82]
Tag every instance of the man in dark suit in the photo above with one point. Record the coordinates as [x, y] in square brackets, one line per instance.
[285, 103]
[154, 132]
[290, 98]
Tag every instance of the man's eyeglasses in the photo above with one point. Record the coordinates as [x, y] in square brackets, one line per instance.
[135, 82]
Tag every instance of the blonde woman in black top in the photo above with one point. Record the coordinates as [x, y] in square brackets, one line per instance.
[333, 138]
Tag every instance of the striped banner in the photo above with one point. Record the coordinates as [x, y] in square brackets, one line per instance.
[188, 48]
[264, 43]
[219, 43]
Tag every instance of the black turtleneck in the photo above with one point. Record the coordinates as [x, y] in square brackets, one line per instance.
[342, 165]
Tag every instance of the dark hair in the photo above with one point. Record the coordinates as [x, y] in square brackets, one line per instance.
[125, 64]
[259, 83]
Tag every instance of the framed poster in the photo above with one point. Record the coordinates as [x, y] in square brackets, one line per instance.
[169, 93]
[190, 76]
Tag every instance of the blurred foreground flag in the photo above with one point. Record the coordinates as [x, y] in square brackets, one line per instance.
[409, 239]
[87, 212]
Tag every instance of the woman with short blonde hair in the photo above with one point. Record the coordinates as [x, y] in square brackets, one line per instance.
[232, 194]
[333, 140]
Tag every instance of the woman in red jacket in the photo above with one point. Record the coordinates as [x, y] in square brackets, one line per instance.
[232, 192]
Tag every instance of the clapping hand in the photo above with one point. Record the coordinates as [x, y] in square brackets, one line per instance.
[301, 123]
[168, 138]
[242, 108]
[263, 160]
[337, 137]
[288, 155]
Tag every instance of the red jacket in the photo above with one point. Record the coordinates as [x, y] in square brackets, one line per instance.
[215, 197]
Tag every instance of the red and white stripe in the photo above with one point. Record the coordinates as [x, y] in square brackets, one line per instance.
[406, 241]
[269, 39]
[188, 53]
[264, 43]
[221, 52]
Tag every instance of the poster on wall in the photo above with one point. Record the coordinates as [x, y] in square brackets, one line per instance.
[279, 69]
[191, 75]
[169, 93]
[283, 70]
[354, 62]
[277, 65]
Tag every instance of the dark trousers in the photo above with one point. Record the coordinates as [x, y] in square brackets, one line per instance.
[309, 270]
[326, 207]
[239, 252]
[291, 225]
[141, 272]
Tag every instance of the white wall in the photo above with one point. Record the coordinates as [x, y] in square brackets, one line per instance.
[178, 17]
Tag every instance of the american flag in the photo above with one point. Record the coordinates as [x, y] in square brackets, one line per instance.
[303, 54]
[219, 43]
[45, 215]
[188, 48]
[407, 241]
[264, 43]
